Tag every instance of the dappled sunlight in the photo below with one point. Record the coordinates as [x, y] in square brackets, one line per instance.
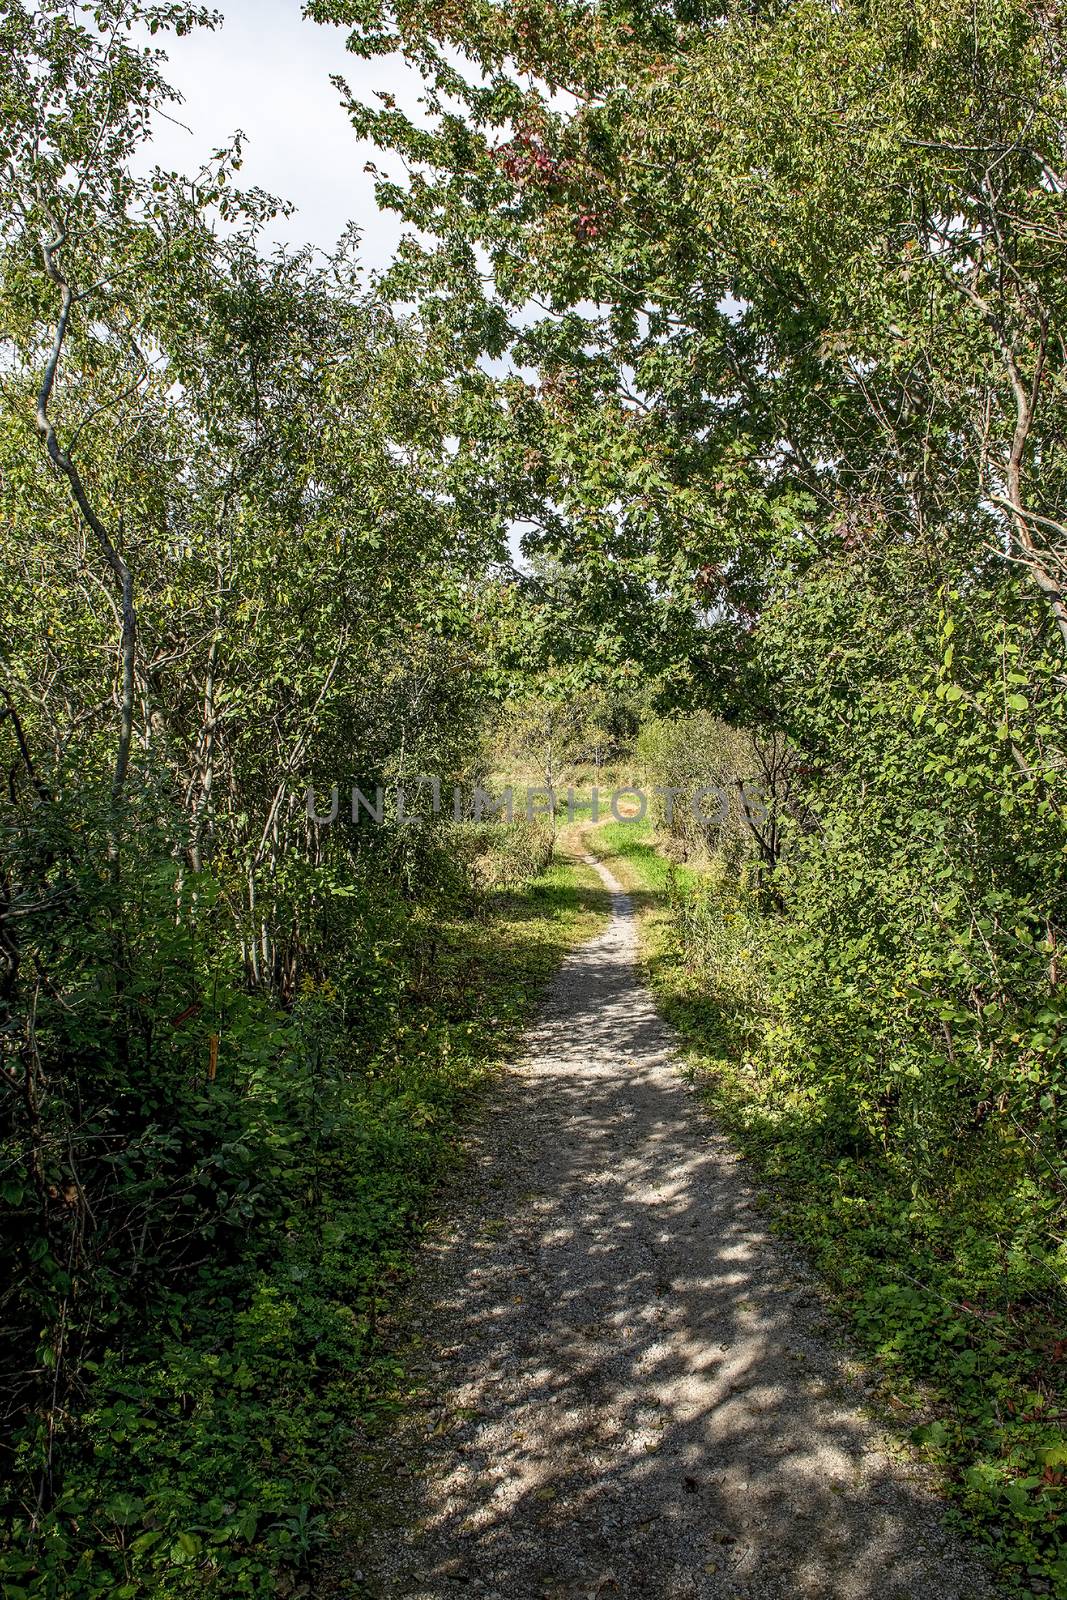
[628, 1388]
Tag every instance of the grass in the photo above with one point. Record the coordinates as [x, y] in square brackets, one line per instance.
[211, 1438]
[629, 849]
[968, 1347]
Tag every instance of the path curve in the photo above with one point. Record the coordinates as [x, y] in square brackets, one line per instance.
[628, 1388]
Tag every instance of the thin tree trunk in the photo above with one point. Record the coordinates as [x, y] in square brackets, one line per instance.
[119, 570]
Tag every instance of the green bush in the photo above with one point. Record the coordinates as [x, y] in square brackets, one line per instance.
[195, 1276]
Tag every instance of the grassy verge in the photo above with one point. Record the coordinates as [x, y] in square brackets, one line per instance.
[210, 1437]
[629, 849]
[966, 1339]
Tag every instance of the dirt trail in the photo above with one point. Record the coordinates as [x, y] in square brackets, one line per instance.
[628, 1390]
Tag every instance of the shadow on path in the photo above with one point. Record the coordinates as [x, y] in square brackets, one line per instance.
[627, 1389]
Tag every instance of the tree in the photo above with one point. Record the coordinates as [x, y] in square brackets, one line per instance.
[780, 288]
[238, 560]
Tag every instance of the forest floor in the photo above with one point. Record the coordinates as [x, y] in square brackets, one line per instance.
[619, 1384]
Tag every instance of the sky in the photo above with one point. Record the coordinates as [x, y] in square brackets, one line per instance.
[267, 72]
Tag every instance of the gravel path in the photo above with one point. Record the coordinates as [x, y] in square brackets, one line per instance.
[628, 1390]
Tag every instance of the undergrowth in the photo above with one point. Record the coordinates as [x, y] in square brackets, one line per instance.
[205, 1440]
[939, 1276]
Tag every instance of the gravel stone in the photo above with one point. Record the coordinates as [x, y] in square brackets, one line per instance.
[632, 1389]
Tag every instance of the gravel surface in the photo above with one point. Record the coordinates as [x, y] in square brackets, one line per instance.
[628, 1388]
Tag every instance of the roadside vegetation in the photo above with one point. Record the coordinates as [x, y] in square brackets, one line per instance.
[750, 322]
[238, 1042]
[194, 1438]
[940, 1248]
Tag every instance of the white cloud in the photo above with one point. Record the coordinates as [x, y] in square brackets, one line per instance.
[267, 71]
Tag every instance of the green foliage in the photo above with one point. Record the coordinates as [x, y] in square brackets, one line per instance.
[252, 1236]
[511, 853]
[787, 428]
[554, 738]
[633, 845]
[928, 1191]
[237, 563]
[785, 440]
